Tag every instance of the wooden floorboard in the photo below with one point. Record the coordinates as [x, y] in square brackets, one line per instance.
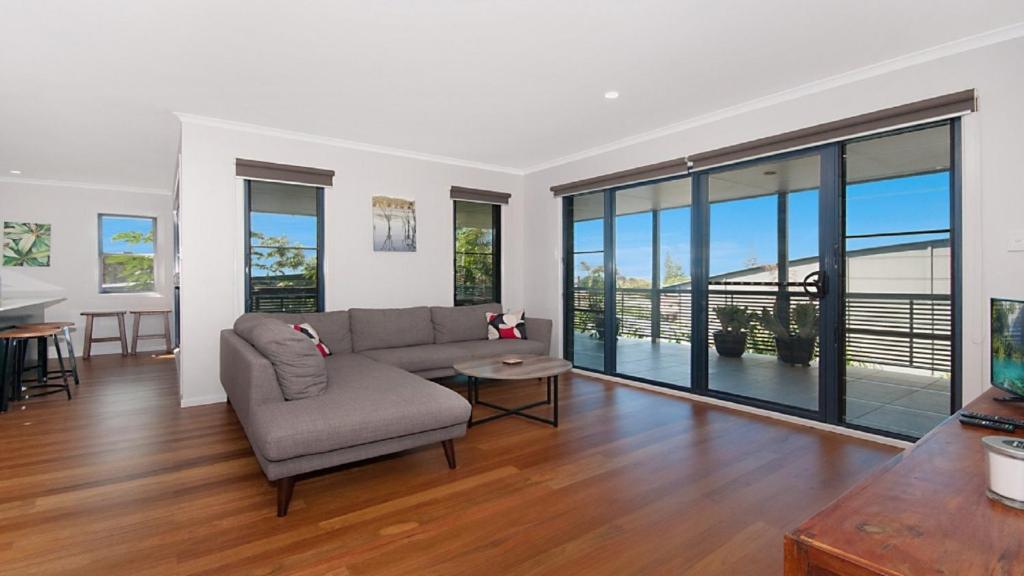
[122, 481]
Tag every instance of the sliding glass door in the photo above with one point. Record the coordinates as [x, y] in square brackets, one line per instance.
[899, 281]
[652, 281]
[819, 283]
[586, 307]
[763, 321]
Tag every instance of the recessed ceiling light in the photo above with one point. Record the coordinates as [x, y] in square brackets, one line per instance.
[15, 171]
[611, 95]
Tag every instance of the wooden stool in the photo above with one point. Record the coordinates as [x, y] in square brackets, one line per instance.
[89, 316]
[137, 320]
[16, 342]
[65, 329]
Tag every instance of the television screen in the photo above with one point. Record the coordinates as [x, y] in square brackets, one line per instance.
[1008, 345]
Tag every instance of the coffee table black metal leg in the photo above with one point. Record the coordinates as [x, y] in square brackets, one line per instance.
[552, 399]
[555, 383]
[471, 395]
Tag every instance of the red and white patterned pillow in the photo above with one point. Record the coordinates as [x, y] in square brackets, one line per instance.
[308, 331]
[510, 325]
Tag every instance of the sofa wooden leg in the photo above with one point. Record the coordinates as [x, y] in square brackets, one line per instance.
[285, 486]
[449, 452]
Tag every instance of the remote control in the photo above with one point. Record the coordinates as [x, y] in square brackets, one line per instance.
[990, 424]
[1004, 419]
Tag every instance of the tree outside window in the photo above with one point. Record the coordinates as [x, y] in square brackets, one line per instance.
[477, 253]
[127, 254]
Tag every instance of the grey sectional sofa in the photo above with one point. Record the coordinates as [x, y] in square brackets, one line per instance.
[377, 398]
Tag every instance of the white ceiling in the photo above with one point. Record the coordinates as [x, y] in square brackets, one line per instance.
[88, 89]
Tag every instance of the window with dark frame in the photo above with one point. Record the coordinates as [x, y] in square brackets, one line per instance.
[283, 247]
[477, 238]
[127, 254]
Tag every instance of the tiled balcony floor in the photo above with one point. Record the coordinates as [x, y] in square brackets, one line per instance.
[890, 400]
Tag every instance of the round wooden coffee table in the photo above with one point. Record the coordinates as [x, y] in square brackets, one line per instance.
[531, 367]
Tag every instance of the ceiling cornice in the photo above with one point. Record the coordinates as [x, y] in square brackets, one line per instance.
[85, 185]
[967, 44]
[339, 142]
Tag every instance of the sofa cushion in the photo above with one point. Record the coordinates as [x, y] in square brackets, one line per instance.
[333, 327]
[509, 325]
[314, 338]
[420, 358]
[301, 371]
[390, 327]
[461, 323]
[356, 409]
[488, 348]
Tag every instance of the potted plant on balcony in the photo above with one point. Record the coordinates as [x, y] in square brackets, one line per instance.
[599, 325]
[794, 346]
[731, 340]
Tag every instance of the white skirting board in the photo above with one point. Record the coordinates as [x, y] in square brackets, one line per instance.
[203, 400]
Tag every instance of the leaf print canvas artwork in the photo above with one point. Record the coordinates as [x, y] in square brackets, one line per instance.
[26, 244]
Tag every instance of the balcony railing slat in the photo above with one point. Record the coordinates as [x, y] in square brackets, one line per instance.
[283, 299]
[906, 330]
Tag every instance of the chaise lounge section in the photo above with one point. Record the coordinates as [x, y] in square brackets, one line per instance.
[377, 399]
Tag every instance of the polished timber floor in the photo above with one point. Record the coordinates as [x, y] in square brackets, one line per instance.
[121, 480]
[909, 404]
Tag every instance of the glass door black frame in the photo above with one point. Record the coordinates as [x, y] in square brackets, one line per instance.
[831, 254]
[610, 349]
[956, 272]
[829, 258]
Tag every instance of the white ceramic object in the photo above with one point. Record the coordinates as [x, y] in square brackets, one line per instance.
[1005, 469]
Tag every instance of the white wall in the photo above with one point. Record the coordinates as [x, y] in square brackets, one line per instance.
[900, 270]
[993, 144]
[212, 253]
[211, 205]
[73, 273]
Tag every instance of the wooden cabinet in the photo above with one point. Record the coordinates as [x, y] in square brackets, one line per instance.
[923, 513]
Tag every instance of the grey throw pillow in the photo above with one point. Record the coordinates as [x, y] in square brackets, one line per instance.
[301, 370]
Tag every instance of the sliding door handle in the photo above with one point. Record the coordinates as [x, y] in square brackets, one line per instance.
[815, 285]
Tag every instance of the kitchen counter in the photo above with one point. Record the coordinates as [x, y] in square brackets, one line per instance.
[23, 309]
[19, 303]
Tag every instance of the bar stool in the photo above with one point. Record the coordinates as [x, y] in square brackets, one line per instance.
[16, 341]
[116, 314]
[137, 316]
[65, 331]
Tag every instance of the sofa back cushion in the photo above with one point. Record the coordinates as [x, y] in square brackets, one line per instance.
[301, 370]
[374, 328]
[461, 323]
[333, 327]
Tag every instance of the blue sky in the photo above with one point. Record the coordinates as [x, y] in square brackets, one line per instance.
[743, 232]
[299, 229]
[116, 224]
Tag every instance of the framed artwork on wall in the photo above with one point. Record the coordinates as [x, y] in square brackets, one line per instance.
[26, 244]
[394, 224]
